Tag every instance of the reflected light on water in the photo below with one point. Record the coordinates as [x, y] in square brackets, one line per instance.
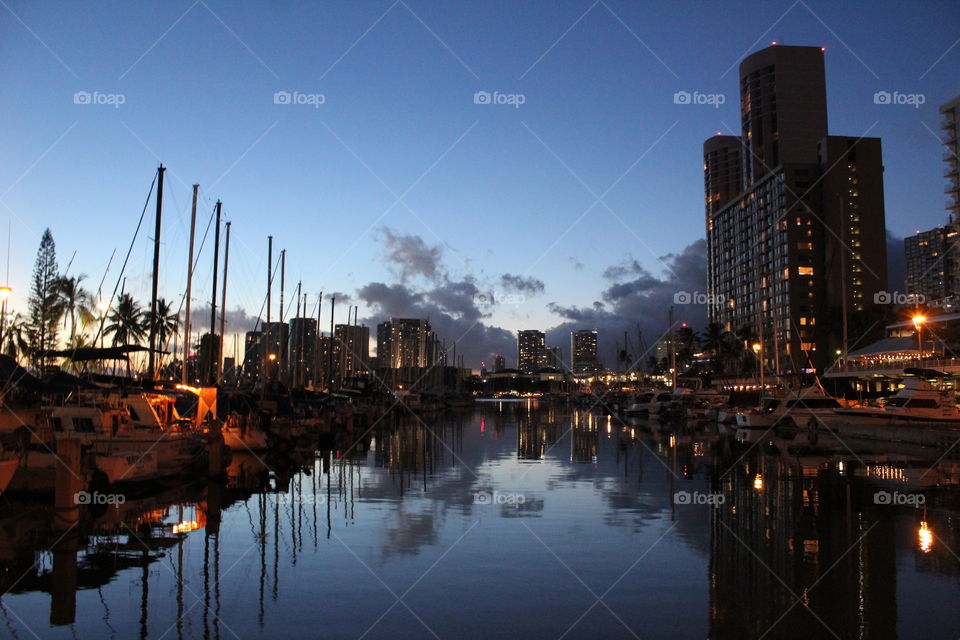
[925, 537]
[758, 482]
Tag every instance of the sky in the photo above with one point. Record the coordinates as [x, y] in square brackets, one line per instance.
[495, 166]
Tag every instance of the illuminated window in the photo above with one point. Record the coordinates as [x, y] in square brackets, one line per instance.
[805, 271]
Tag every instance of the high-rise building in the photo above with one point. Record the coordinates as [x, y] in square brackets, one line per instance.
[551, 358]
[933, 257]
[499, 363]
[583, 352]
[798, 241]
[302, 351]
[530, 344]
[408, 342]
[383, 345]
[951, 140]
[352, 349]
[252, 361]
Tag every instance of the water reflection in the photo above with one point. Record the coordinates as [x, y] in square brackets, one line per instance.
[510, 519]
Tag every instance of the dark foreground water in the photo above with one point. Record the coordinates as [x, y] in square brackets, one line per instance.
[511, 521]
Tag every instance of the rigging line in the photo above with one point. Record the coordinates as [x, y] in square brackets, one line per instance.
[196, 261]
[127, 258]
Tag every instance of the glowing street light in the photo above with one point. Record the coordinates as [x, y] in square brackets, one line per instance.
[758, 349]
[918, 321]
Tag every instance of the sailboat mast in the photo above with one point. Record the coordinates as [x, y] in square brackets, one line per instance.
[156, 273]
[186, 318]
[214, 357]
[223, 301]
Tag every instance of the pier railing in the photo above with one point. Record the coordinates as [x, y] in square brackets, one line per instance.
[947, 365]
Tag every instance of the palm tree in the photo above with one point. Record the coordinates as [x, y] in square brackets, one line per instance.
[73, 301]
[77, 342]
[166, 325]
[126, 323]
[16, 337]
[712, 342]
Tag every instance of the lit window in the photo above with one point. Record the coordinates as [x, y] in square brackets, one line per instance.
[805, 271]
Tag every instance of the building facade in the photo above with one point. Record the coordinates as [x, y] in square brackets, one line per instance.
[796, 243]
[530, 345]
[583, 352]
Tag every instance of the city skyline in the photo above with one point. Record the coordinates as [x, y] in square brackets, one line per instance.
[307, 167]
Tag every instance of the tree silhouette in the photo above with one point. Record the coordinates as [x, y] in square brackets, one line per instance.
[42, 304]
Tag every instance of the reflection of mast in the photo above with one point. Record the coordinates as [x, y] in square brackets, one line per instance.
[262, 499]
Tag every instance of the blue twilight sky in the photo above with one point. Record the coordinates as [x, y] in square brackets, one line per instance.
[484, 189]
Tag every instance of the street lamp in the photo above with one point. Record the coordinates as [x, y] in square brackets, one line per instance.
[918, 321]
[5, 292]
[758, 349]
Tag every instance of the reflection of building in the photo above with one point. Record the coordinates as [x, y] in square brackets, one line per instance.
[584, 437]
[530, 344]
[783, 528]
[583, 352]
[797, 236]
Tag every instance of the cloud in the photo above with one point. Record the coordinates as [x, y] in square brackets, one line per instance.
[408, 255]
[452, 311]
[576, 263]
[237, 320]
[521, 284]
[637, 301]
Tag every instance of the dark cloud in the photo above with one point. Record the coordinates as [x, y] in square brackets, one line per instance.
[896, 263]
[453, 313]
[637, 300]
[408, 255]
[521, 284]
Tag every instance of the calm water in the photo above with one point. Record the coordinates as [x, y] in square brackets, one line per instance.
[509, 521]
